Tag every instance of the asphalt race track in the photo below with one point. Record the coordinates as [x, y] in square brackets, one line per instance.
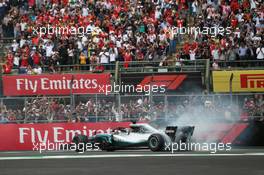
[235, 162]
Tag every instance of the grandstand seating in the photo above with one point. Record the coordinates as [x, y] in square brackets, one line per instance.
[127, 37]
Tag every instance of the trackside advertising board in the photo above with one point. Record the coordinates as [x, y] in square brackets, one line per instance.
[63, 84]
[27, 136]
[22, 136]
[172, 82]
[242, 81]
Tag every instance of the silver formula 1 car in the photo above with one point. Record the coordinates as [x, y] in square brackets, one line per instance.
[139, 135]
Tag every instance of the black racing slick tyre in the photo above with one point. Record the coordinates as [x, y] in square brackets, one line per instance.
[156, 142]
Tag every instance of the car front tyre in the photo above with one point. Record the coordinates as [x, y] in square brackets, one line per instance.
[156, 142]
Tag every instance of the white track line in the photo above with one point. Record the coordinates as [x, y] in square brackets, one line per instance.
[12, 152]
[124, 156]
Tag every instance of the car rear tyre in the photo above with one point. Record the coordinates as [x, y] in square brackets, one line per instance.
[156, 142]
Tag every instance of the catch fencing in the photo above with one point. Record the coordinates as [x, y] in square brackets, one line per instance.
[117, 107]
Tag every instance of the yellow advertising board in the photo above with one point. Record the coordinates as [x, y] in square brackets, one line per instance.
[240, 81]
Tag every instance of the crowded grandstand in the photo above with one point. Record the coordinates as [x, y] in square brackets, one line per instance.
[47, 35]
[119, 37]
[132, 86]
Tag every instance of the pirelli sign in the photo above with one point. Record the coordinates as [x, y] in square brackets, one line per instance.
[238, 81]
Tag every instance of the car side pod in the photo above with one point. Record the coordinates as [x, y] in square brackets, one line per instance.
[104, 143]
[156, 142]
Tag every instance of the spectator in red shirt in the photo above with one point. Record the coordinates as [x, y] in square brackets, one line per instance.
[36, 57]
[127, 58]
[234, 5]
[24, 61]
[7, 68]
[10, 58]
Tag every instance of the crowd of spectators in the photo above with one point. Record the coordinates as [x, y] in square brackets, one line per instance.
[253, 106]
[44, 109]
[129, 31]
[111, 30]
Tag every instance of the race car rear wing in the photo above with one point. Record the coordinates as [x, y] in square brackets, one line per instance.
[171, 132]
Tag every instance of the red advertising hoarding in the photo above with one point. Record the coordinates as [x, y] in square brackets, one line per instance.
[26, 136]
[63, 84]
[22, 136]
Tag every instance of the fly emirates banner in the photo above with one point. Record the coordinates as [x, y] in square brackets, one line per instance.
[55, 84]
